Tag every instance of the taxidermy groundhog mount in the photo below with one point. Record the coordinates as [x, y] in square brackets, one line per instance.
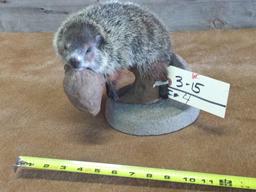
[107, 38]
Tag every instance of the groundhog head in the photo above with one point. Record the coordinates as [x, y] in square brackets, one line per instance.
[79, 45]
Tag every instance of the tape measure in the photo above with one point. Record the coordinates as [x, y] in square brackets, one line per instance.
[136, 172]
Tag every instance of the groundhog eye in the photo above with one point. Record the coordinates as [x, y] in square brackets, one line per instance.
[88, 50]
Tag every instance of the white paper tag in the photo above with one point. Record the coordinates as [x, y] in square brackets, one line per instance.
[199, 91]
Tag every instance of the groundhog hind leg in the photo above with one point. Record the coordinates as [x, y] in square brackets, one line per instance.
[142, 90]
[163, 91]
[158, 72]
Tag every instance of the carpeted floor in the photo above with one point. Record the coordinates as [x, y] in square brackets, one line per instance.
[37, 119]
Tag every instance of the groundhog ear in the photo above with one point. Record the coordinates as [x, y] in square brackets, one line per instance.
[99, 40]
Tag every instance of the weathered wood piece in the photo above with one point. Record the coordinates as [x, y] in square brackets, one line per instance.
[84, 89]
[178, 15]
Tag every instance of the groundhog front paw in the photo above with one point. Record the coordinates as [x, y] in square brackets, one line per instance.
[111, 92]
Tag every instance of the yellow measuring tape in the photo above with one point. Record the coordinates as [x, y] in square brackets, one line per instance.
[136, 172]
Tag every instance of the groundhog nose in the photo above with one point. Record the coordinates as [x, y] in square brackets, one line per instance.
[74, 62]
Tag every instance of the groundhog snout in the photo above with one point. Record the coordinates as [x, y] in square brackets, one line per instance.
[74, 62]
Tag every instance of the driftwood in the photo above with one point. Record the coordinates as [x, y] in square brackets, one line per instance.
[84, 89]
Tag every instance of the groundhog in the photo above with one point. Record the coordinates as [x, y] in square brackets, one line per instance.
[112, 36]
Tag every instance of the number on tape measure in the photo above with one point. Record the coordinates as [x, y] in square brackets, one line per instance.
[79, 169]
[46, 166]
[63, 167]
[114, 172]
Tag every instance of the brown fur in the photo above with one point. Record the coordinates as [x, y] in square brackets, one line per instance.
[132, 36]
